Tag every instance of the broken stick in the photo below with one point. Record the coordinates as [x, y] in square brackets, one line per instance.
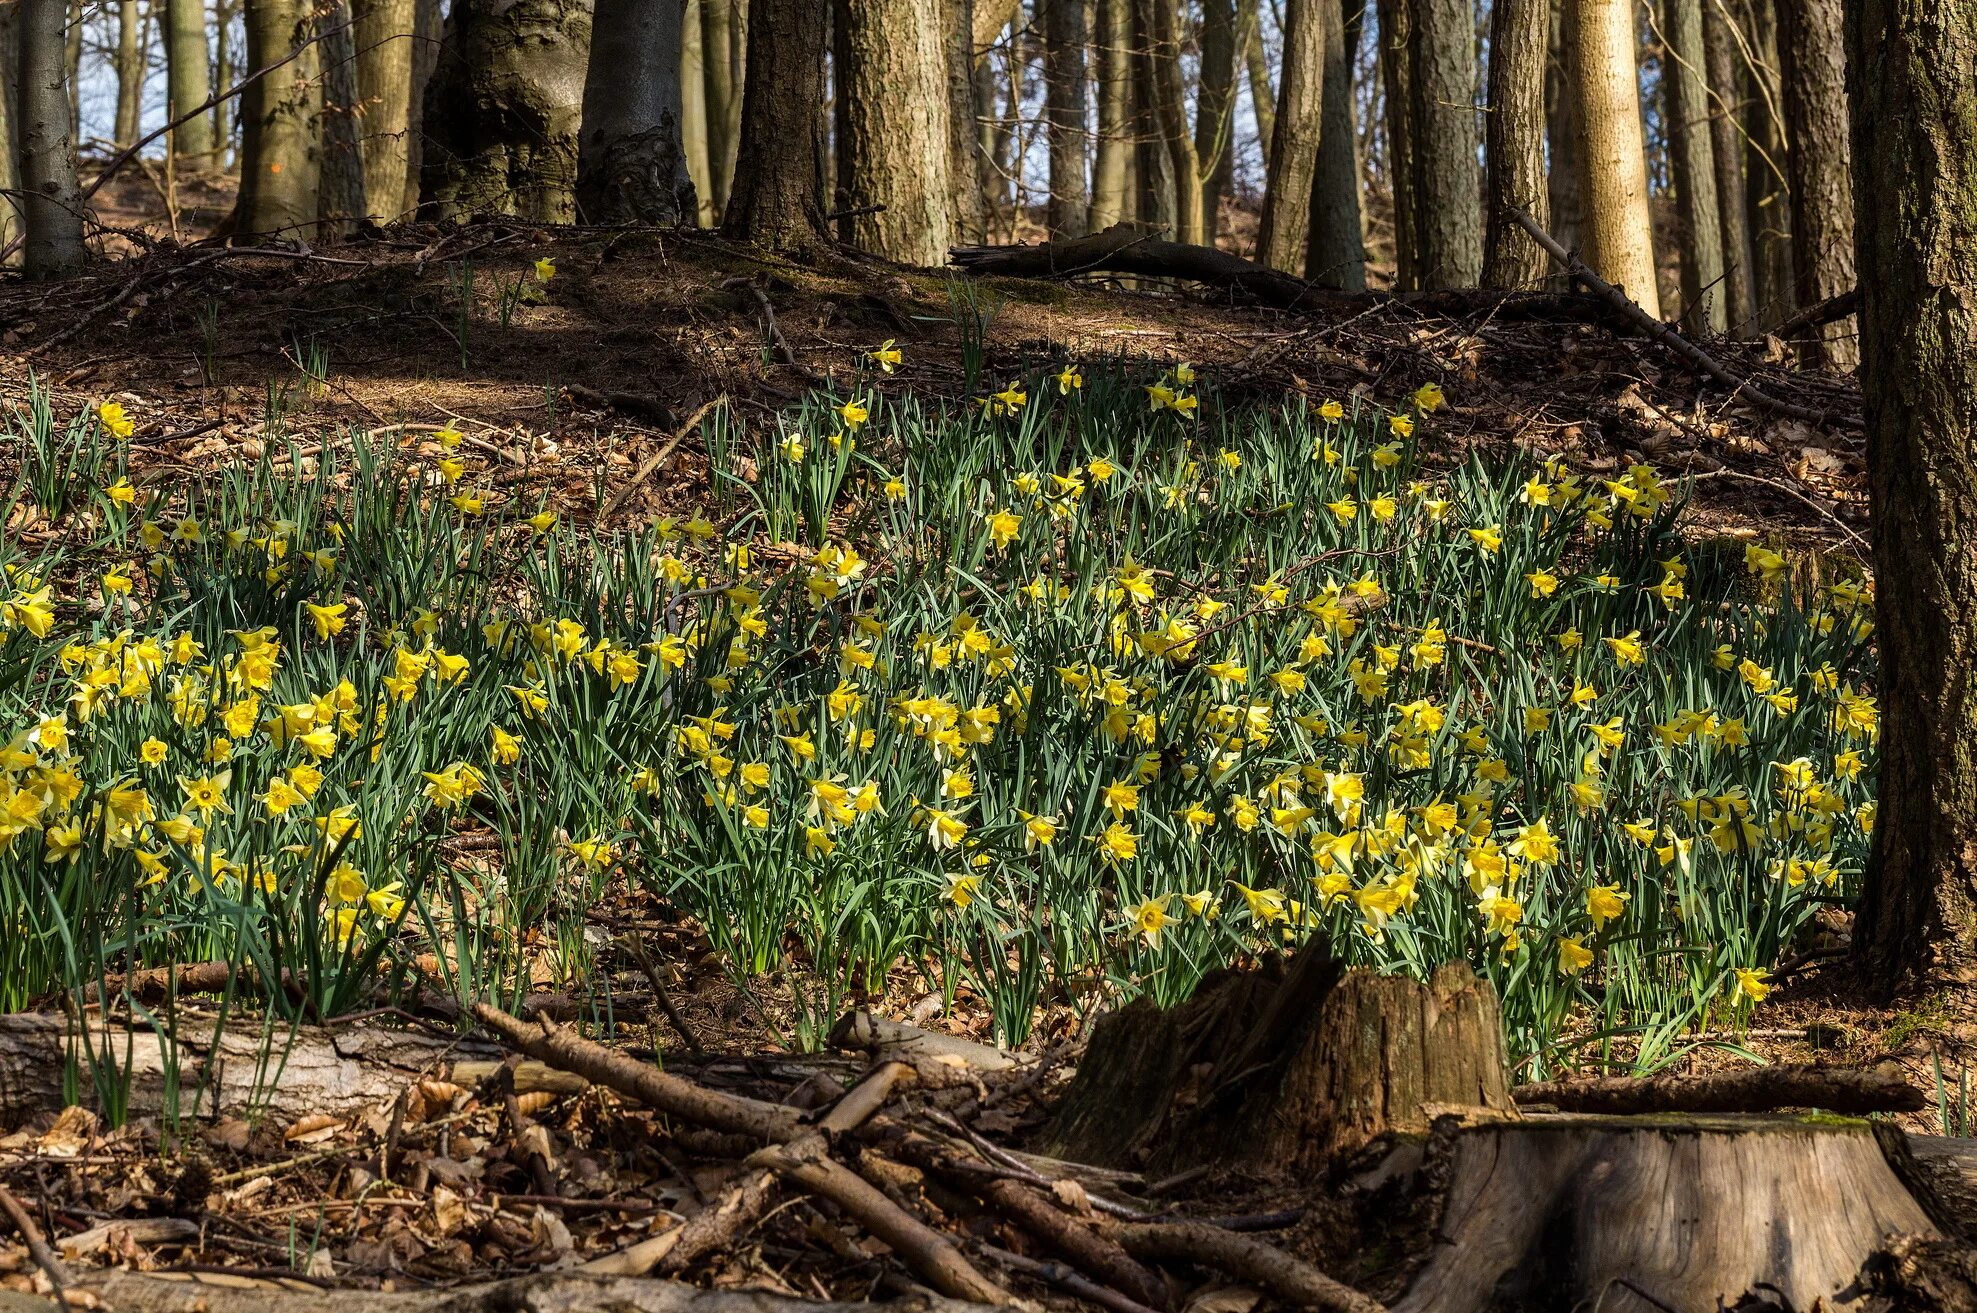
[1757, 1089]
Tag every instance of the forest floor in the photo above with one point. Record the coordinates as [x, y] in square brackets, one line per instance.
[572, 390]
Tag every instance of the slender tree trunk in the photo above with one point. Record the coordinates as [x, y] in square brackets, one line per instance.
[778, 183]
[1398, 33]
[895, 119]
[1812, 46]
[1727, 154]
[1215, 112]
[341, 199]
[1685, 98]
[72, 61]
[130, 71]
[1170, 114]
[1619, 235]
[428, 28]
[1448, 215]
[693, 111]
[280, 115]
[1915, 161]
[1562, 137]
[1768, 195]
[1335, 252]
[1256, 68]
[717, 19]
[1514, 151]
[225, 114]
[1285, 225]
[188, 78]
[967, 162]
[1111, 199]
[386, 37]
[1065, 106]
[631, 161]
[52, 200]
[10, 118]
[1153, 167]
[503, 108]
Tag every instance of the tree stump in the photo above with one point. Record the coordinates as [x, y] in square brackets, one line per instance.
[1283, 1069]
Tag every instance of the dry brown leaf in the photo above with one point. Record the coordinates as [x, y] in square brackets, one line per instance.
[313, 1129]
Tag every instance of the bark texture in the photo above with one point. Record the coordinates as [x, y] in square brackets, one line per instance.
[1285, 225]
[1111, 175]
[631, 158]
[693, 111]
[279, 116]
[503, 106]
[188, 80]
[1562, 137]
[1692, 155]
[1170, 116]
[340, 200]
[894, 121]
[1335, 255]
[1066, 104]
[130, 71]
[1915, 157]
[1768, 195]
[1617, 238]
[1727, 155]
[1256, 69]
[967, 162]
[1215, 112]
[1398, 32]
[1448, 216]
[386, 33]
[1812, 49]
[777, 197]
[1514, 142]
[721, 89]
[51, 199]
[10, 179]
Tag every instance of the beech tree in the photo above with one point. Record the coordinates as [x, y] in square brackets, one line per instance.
[1286, 221]
[631, 159]
[1335, 255]
[280, 165]
[1064, 38]
[387, 75]
[188, 78]
[51, 201]
[1617, 238]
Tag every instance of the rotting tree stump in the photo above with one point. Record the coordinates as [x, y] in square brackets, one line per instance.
[1283, 1069]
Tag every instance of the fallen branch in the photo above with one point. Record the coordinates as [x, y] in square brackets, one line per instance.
[618, 498]
[1631, 311]
[1757, 1089]
[37, 1245]
[771, 329]
[1290, 1279]
[1825, 312]
[861, 1031]
[628, 403]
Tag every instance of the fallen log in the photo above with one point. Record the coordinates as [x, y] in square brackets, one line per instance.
[1756, 1089]
[1290, 1279]
[1917, 1274]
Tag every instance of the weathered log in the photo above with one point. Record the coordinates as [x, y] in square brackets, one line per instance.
[1917, 1274]
[1283, 1069]
[861, 1031]
[1946, 1167]
[1551, 1212]
[1755, 1089]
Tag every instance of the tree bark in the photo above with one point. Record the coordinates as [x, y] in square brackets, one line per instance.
[1915, 159]
[631, 159]
[341, 199]
[386, 34]
[693, 111]
[10, 117]
[1727, 154]
[1398, 33]
[967, 162]
[1215, 113]
[1335, 253]
[894, 119]
[1111, 197]
[1065, 106]
[1285, 225]
[1692, 155]
[503, 108]
[428, 28]
[1256, 70]
[1153, 167]
[1618, 236]
[1514, 150]
[1768, 194]
[777, 197]
[51, 198]
[188, 79]
[1448, 216]
[1170, 113]
[130, 71]
[1812, 47]
[717, 20]
[1562, 138]
[225, 67]
[280, 117]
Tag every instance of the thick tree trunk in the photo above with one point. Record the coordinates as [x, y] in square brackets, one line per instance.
[1448, 216]
[895, 125]
[1686, 108]
[387, 37]
[1285, 226]
[130, 71]
[1812, 47]
[341, 199]
[280, 117]
[717, 20]
[51, 199]
[1514, 153]
[1398, 33]
[631, 159]
[1215, 113]
[503, 108]
[968, 163]
[693, 112]
[1618, 235]
[1335, 254]
[778, 186]
[1065, 106]
[1170, 114]
[1111, 195]
[1727, 154]
[1768, 195]
[1562, 137]
[1153, 167]
[1915, 159]
[188, 79]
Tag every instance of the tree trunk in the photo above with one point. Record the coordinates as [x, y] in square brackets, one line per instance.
[1215, 113]
[1692, 156]
[1915, 94]
[503, 108]
[894, 117]
[1514, 151]
[1562, 138]
[1170, 111]
[1285, 225]
[1256, 69]
[223, 75]
[1064, 24]
[1618, 237]
[188, 79]
[1283, 1070]
[10, 118]
[1448, 216]
[693, 112]
[130, 71]
[967, 163]
[386, 34]
[778, 184]
[341, 199]
[1812, 46]
[428, 27]
[51, 198]
[1111, 197]
[1398, 33]
[1153, 167]
[1727, 154]
[1335, 252]
[717, 19]
[280, 115]
[1768, 195]
[631, 160]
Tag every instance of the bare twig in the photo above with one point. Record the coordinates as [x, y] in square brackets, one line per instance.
[1290, 1279]
[618, 499]
[37, 1245]
[772, 330]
